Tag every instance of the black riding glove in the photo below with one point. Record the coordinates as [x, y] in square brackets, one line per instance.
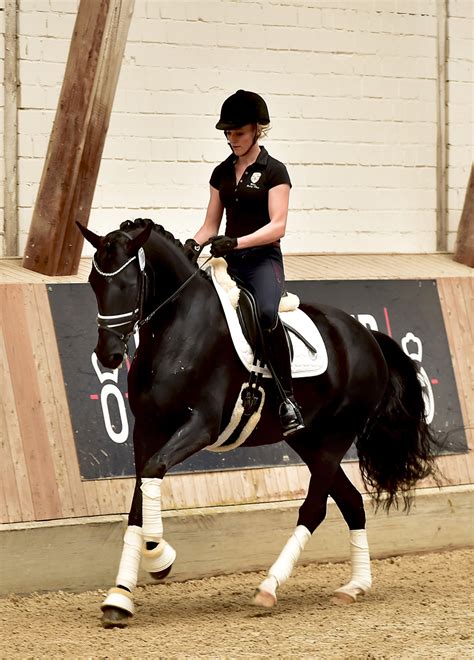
[221, 245]
[192, 249]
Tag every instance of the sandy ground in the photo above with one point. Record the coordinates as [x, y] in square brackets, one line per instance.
[419, 607]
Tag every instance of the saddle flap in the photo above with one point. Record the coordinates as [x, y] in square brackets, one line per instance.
[248, 319]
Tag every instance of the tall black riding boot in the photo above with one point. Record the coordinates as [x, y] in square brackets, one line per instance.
[277, 354]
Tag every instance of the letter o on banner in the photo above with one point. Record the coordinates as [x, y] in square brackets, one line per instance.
[112, 390]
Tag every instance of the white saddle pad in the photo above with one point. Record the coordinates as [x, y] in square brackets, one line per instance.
[305, 363]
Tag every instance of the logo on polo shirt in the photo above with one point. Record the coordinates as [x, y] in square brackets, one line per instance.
[254, 179]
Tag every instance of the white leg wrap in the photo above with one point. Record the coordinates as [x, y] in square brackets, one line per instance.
[158, 559]
[361, 577]
[131, 555]
[152, 523]
[281, 569]
[119, 598]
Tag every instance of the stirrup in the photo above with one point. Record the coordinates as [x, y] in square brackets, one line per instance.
[290, 416]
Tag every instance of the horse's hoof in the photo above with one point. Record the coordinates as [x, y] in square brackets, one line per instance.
[160, 575]
[113, 617]
[341, 598]
[264, 598]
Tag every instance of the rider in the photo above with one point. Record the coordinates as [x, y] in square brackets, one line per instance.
[254, 190]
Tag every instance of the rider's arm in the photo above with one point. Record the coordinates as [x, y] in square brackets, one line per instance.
[212, 221]
[278, 199]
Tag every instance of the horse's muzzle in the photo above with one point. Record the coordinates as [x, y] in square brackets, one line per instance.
[110, 350]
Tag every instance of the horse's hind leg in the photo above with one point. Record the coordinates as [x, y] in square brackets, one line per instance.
[323, 462]
[351, 505]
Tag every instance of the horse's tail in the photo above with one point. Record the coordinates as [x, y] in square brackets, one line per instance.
[397, 447]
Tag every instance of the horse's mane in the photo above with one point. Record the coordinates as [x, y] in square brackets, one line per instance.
[140, 223]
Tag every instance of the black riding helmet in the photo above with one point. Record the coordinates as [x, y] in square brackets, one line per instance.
[243, 108]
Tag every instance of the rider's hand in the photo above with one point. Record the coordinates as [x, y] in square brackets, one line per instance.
[192, 249]
[222, 245]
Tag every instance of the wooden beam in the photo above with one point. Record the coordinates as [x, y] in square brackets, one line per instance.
[10, 130]
[465, 238]
[75, 149]
[441, 142]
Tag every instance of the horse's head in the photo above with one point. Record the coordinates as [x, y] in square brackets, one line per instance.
[118, 281]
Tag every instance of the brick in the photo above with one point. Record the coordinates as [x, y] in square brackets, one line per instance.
[32, 23]
[60, 25]
[63, 6]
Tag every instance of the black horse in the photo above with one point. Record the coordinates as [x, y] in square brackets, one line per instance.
[185, 378]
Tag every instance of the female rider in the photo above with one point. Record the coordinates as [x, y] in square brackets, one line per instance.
[254, 190]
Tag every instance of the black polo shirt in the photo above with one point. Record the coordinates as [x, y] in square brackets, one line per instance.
[246, 202]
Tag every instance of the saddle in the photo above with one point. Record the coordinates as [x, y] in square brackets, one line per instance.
[307, 350]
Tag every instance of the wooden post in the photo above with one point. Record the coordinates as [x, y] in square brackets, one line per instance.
[75, 148]
[10, 130]
[465, 238]
[441, 143]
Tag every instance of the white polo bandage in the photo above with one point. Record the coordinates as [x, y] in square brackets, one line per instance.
[361, 577]
[281, 569]
[131, 555]
[151, 508]
[360, 559]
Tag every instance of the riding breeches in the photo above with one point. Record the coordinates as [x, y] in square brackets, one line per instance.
[260, 270]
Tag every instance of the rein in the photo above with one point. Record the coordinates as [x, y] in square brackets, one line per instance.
[140, 324]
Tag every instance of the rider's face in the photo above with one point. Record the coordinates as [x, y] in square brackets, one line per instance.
[241, 139]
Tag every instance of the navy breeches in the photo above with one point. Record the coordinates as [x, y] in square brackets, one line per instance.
[260, 270]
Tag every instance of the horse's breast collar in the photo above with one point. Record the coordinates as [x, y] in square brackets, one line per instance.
[305, 362]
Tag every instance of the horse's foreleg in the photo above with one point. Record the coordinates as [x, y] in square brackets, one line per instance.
[118, 604]
[282, 568]
[351, 505]
[158, 555]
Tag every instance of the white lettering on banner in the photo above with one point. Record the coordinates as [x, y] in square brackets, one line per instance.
[368, 321]
[110, 389]
[417, 355]
[113, 390]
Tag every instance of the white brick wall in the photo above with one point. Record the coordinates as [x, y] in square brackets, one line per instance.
[351, 87]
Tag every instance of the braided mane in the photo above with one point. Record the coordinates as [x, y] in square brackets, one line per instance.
[140, 223]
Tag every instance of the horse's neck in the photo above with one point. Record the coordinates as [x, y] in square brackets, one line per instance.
[170, 268]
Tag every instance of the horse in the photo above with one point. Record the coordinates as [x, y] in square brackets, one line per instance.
[185, 377]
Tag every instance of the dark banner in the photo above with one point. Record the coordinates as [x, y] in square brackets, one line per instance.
[408, 311]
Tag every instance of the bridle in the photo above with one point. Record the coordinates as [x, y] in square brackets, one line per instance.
[112, 321]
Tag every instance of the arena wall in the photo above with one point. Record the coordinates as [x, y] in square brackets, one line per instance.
[352, 89]
[39, 463]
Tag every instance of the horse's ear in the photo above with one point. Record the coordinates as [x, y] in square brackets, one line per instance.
[140, 240]
[94, 239]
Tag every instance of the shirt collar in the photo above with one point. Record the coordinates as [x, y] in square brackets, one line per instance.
[262, 159]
